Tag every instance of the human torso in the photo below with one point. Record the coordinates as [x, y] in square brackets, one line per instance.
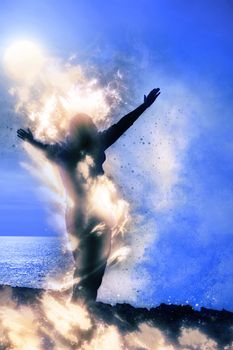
[77, 166]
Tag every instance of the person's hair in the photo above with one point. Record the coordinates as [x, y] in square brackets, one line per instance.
[87, 130]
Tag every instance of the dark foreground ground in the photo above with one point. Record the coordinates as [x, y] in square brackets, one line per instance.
[214, 328]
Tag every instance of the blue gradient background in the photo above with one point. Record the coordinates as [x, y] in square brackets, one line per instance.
[191, 258]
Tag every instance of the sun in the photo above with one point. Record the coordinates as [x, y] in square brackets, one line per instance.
[23, 60]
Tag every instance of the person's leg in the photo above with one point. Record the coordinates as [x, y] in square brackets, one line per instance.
[89, 282]
[90, 260]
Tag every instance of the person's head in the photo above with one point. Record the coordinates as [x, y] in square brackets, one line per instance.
[82, 132]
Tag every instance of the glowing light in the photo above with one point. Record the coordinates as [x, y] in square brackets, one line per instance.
[56, 94]
[23, 60]
[64, 91]
[104, 200]
[66, 316]
[66, 325]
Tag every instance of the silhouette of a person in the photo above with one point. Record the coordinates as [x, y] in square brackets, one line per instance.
[83, 139]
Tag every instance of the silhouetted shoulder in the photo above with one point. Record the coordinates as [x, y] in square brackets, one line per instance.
[108, 136]
[112, 134]
[53, 151]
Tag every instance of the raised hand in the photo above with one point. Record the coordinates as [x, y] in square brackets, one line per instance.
[151, 97]
[25, 135]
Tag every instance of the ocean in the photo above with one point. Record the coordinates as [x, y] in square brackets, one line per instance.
[35, 262]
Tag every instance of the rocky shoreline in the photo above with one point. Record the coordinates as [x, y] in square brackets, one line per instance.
[169, 319]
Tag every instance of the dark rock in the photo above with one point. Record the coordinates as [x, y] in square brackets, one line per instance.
[170, 319]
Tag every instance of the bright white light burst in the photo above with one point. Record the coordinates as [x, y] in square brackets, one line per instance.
[23, 60]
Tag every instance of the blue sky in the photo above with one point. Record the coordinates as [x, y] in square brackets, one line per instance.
[187, 50]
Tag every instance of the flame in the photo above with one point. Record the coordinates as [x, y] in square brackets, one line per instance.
[49, 101]
[105, 201]
[54, 322]
[106, 337]
[53, 94]
[65, 325]
[148, 338]
[65, 316]
[19, 328]
[59, 91]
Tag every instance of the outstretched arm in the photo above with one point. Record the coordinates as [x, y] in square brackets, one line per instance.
[115, 131]
[28, 136]
[51, 151]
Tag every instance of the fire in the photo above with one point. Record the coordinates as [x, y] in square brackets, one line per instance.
[58, 92]
[105, 201]
[106, 337]
[54, 322]
[66, 317]
[19, 328]
[49, 93]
